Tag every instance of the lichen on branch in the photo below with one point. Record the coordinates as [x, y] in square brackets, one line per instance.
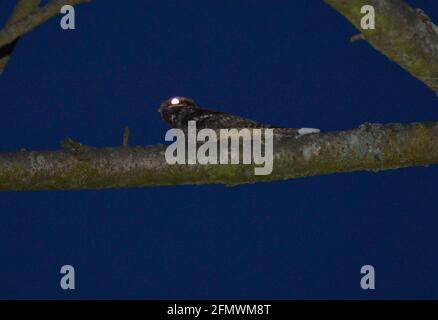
[371, 147]
[405, 35]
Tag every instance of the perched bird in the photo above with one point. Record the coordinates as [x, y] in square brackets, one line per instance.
[178, 111]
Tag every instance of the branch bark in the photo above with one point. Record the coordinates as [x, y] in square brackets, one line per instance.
[406, 36]
[22, 9]
[15, 30]
[403, 34]
[370, 147]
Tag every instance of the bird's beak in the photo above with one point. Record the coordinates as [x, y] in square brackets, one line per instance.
[173, 105]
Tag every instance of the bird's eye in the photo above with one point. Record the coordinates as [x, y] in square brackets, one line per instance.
[174, 101]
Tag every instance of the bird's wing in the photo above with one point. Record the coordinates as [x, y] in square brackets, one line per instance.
[213, 119]
[206, 118]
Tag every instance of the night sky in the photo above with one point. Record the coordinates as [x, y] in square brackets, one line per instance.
[289, 63]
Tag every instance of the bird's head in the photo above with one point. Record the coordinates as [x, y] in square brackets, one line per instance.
[170, 108]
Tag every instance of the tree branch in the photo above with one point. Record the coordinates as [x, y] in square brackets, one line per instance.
[21, 10]
[15, 30]
[370, 147]
[404, 35]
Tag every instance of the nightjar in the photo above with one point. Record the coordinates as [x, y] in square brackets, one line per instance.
[177, 111]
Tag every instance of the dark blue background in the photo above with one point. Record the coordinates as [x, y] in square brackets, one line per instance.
[284, 62]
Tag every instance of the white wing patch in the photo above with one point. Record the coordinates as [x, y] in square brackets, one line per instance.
[303, 131]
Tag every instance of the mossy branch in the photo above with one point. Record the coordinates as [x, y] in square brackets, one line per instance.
[371, 147]
[403, 34]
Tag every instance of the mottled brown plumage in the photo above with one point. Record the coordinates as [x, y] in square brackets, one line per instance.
[178, 111]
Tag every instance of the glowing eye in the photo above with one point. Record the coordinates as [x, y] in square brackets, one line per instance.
[174, 101]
